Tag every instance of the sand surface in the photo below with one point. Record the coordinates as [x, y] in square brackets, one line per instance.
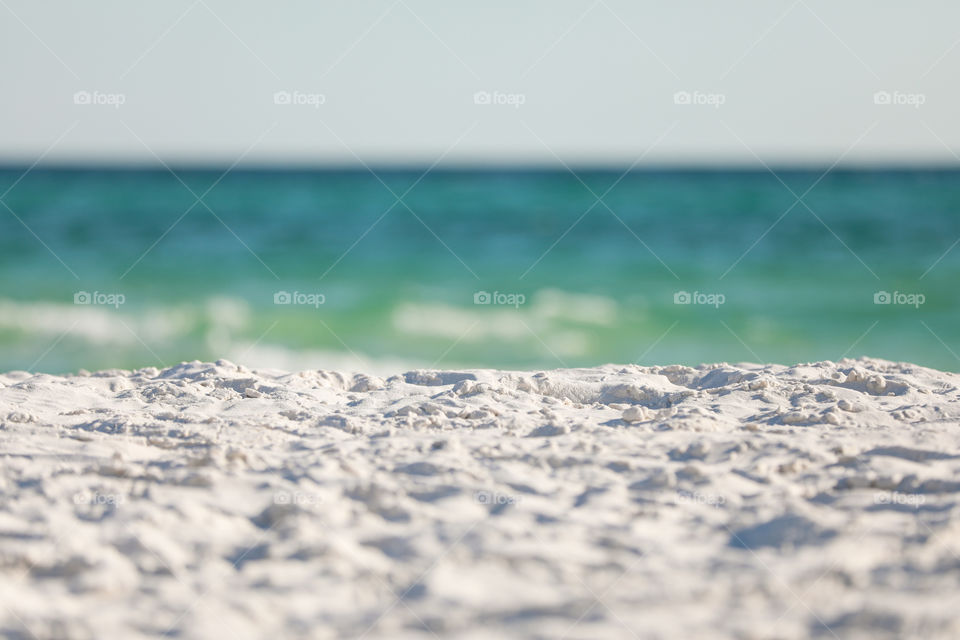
[747, 501]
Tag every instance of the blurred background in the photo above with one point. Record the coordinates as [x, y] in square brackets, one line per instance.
[384, 185]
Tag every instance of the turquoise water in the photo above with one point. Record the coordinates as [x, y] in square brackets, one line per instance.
[398, 284]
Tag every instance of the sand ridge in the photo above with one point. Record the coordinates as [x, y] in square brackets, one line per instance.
[724, 500]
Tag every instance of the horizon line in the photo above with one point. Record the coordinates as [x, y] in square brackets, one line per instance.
[478, 167]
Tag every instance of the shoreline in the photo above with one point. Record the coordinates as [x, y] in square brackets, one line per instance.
[736, 500]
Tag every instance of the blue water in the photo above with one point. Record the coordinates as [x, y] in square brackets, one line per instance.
[595, 281]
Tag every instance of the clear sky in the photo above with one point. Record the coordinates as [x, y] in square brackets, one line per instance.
[397, 81]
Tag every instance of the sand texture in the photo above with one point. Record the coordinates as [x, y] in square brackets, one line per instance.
[742, 501]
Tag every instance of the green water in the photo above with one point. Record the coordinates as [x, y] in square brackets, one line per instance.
[398, 279]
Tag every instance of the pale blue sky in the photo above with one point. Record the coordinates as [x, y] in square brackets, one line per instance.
[596, 80]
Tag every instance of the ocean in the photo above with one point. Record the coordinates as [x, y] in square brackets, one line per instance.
[393, 269]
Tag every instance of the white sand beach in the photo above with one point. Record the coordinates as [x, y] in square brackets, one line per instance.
[742, 501]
